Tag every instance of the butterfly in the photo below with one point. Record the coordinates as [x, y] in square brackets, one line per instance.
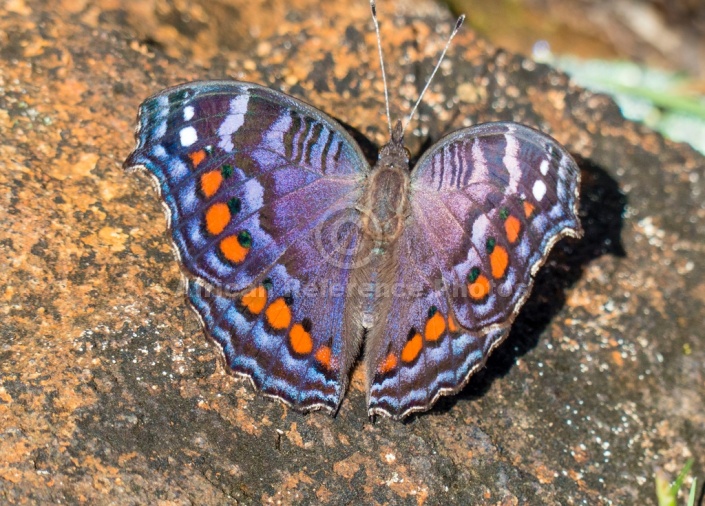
[298, 253]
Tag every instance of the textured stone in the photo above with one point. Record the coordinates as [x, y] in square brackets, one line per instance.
[109, 393]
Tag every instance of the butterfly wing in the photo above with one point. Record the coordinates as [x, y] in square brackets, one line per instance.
[487, 205]
[252, 179]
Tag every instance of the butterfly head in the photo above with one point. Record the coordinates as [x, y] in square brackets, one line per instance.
[395, 153]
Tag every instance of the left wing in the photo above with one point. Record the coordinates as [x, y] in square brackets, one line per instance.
[252, 181]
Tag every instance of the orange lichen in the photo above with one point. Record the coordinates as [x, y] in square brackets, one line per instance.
[210, 182]
[480, 288]
[300, 340]
[499, 261]
[217, 218]
[412, 348]
[278, 314]
[255, 300]
[512, 226]
[435, 326]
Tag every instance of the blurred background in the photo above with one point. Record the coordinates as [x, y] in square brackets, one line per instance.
[648, 54]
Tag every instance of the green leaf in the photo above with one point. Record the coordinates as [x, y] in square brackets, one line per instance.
[691, 496]
[668, 492]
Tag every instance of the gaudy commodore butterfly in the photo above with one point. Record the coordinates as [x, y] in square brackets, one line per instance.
[296, 251]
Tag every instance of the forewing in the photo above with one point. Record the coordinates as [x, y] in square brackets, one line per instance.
[488, 203]
[494, 199]
[243, 171]
[252, 179]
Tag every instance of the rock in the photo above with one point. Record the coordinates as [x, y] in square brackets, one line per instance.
[109, 393]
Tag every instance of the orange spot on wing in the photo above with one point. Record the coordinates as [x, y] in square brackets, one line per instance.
[300, 339]
[197, 157]
[210, 182]
[217, 218]
[479, 288]
[499, 260]
[389, 363]
[528, 209]
[255, 300]
[512, 226]
[323, 356]
[231, 249]
[278, 314]
[412, 348]
[452, 324]
[435, 326]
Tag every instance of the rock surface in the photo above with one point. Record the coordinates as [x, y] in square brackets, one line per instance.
[109, 393]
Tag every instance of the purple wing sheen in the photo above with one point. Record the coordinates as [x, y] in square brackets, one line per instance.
[487, 204]
[418, 351]
[252, 179]
[288, 333]
[244, 172]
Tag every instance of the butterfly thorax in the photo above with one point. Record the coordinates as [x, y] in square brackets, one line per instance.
[385, 201]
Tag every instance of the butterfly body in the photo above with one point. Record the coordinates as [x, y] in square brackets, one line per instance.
[296, 251]
[385, 203]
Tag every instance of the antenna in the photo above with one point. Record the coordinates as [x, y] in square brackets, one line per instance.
[458, 24]
[373, 7]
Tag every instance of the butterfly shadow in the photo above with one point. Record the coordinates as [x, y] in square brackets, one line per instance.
[602, 206]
